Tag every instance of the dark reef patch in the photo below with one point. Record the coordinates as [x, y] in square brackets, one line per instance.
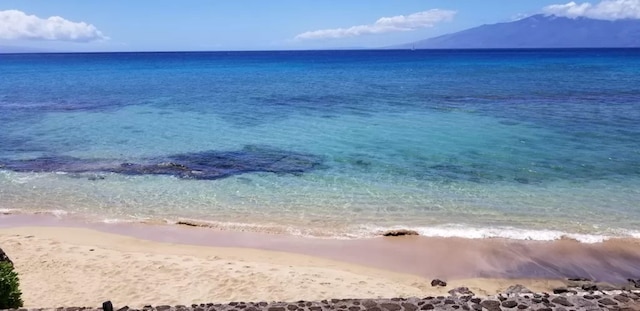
[206, 165]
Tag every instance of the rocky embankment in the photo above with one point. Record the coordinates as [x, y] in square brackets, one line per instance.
[514, 299]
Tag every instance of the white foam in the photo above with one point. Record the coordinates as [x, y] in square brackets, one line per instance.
[58, 213]
[630, 233]
[126, 220]
[114, 221]
[462, 231]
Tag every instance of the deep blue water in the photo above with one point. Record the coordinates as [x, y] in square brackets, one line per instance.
[517, 143]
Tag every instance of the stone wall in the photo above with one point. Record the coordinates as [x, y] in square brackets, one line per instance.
[569, 301]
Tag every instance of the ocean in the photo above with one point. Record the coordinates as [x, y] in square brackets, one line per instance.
[520, 144]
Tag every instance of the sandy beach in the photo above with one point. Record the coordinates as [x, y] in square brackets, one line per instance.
[74, 266]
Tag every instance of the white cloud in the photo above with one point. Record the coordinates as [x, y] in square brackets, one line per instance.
[605, 9]
[385, 24]
[16, 24]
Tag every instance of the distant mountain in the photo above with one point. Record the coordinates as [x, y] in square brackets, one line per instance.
[540, 31]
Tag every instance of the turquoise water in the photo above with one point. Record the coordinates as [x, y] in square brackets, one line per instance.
[529, 144]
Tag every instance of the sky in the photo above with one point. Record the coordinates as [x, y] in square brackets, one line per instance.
[211, 25]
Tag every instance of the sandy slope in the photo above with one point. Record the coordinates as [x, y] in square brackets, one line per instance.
[82, 267]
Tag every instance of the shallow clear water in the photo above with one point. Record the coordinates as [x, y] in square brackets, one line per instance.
[522, 144]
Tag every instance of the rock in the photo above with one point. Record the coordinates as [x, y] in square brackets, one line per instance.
[5, 258]
[621, 298]
[173, 165]
[589, 287]
[491, 305]
[460, 291]
[562, 301]
[634, 282]
[465, 298]
[581, 302]
[427, 306]
[517, 289]
[560, 290]
[607, 302]
[206, 165]
[522, 307]
[399, 232]
[438, 282]
[509, 304]
[369, 304]
[391, 306]
[409, 306]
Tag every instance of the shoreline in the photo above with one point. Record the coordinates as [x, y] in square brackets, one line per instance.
[121, 261]
[451, 230]
[612, 261]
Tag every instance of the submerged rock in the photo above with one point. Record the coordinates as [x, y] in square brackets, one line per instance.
[206, 165]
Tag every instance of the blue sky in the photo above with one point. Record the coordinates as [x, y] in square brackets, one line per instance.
[162, 25]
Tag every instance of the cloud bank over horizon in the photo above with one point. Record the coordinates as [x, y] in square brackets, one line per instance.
[605, 9]
[410, 22]
[15, 25]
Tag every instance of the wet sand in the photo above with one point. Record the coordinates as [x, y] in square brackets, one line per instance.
[171, 264]
[611, 261]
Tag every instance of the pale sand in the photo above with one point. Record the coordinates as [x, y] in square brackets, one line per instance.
[82, 267]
